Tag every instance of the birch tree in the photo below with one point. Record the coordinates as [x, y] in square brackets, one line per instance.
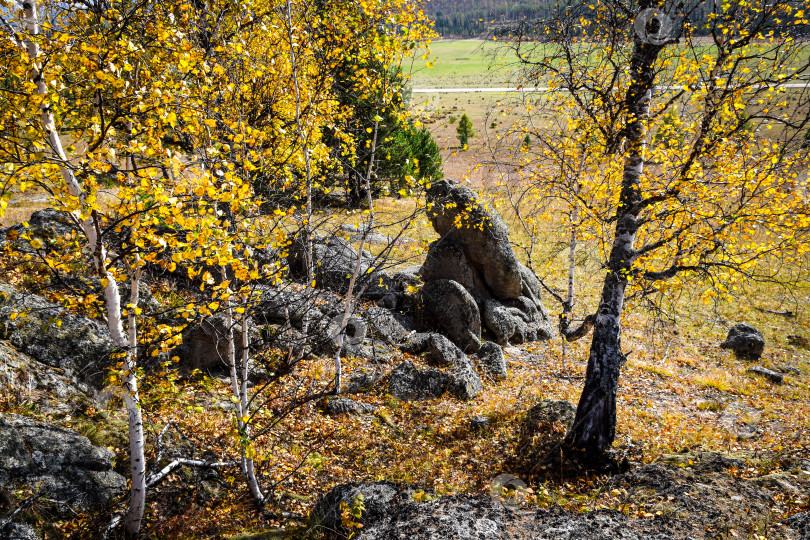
[693, 147]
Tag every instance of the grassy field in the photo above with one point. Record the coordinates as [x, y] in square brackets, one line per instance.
[467, 63]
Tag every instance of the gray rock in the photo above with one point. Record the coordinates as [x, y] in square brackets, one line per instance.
[444, 352]
[465, 383]
[334, 263]
[374, 351]
[492, 359]
[411, 383]
[746, 341]
[800, 521]
[389, 301]
[773, 376]
[533, 292]
[462, 382]
[393, 514]
[51, 335]
[360, 382]
[384, 323]
[353, 341]
[47, 225]
[285, 339]
[407, 276]
[76, 476]
[475, 253]
[506, 323]
[19, 531]
[446, 260]
[516, 321]
[453, 309]
[344, 405]
[790, 370]
[547, 414]
[378, 498]
[415, 343]
[206, 344]
[480, 422]
[280, 304]
[49, 387]
[483, 235]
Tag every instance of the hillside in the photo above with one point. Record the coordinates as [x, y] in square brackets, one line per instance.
[478, 18]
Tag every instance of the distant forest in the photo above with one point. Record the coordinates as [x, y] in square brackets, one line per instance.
[479, 18]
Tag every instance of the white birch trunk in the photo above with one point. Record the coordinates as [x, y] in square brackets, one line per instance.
[239, 380]
[304, 138]
[112, 295]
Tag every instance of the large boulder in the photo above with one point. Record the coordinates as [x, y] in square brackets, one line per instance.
[70, 472]
[457, 213]
[450, 306]
[475, 254]
[746, 341]
[446, 260]
[393, 513]
[50, 334]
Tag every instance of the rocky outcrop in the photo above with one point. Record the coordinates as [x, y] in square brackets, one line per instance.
[746, 341]
[392, 513]
[460, 216]
[70, 473]
[50, 334]
[334, 261]
[46, 386]
[473, 280]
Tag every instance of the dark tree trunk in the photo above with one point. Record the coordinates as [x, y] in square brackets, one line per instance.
[594, 428]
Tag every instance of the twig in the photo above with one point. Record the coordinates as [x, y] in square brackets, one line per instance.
[22, 506]
[786, 313]
[165, 471]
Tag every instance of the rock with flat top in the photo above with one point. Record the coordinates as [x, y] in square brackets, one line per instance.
[746, 341]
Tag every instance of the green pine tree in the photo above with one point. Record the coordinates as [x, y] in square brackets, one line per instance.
[465, 131]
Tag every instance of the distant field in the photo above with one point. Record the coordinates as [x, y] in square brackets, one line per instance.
[475, 63]
[466, 63]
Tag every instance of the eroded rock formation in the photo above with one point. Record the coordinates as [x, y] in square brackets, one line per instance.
[473, 280]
